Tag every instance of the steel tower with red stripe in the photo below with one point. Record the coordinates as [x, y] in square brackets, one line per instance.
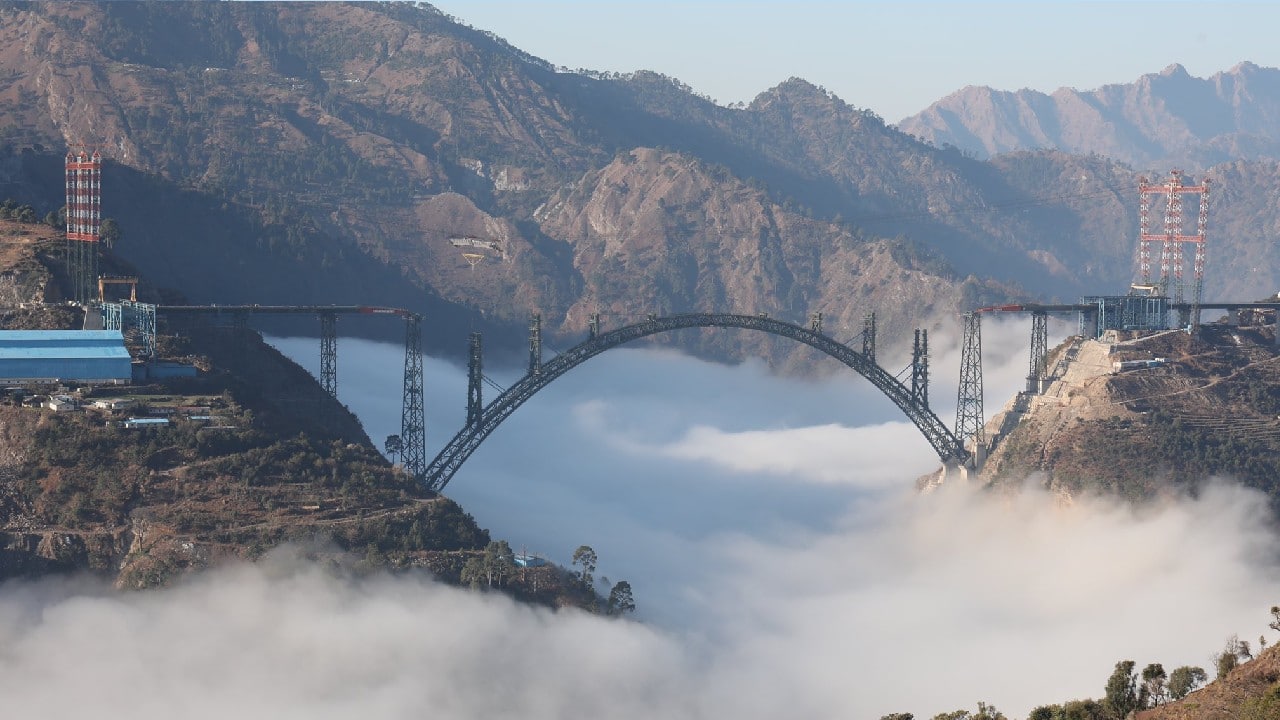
[84, 222]
[1172, 240]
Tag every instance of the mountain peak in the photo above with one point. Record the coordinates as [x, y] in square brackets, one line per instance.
[796, 87]
[1175, 70]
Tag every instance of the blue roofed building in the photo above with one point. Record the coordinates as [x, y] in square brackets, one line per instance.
[64, 355]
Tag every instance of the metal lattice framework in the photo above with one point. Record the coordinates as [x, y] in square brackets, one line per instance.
[1171, 281]
[413, 427]
[869, 336]
[456, 452]
[535, 344]
[84, 222]
[135, 320]
[1037, 369]
[969, 416]
[920, 368]
[329, 353]
[475, 381]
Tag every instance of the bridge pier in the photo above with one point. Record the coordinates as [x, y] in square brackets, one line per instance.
[475, 382]
[1037, 373]
[869, 336]
[920, 368]
[329, 353]
[535, 344]
[413, 432]
[969, 415]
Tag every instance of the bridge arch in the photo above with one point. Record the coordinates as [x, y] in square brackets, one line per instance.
[461, 446]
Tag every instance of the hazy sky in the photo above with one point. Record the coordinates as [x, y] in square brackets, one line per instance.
[894, 58]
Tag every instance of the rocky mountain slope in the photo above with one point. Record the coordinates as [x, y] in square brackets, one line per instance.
[1160, 120]
[333, 152]
[1207, 407]
[254, 454]
[354, 141]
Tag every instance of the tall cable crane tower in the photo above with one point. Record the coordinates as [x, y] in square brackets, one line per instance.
[84, 222]
[1172, 239]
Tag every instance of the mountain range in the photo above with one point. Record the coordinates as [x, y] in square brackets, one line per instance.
[1161, 120]
[334, 152]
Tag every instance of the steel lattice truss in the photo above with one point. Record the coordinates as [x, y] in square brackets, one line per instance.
[969, 394]
[1037, 369]
[413, 429]
[456, 452]
[329, 353]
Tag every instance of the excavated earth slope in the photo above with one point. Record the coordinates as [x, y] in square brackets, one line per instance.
[1206, 405]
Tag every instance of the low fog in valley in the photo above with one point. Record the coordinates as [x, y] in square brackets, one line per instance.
[782, 562]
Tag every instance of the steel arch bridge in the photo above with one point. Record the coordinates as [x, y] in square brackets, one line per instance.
[482, 422]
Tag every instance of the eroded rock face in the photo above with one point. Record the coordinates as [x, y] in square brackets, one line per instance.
[660, 232]
[1205, 408]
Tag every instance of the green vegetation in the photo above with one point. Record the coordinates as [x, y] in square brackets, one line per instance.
[585, 558]
[1183, 680]
[12, 210]
[621, 601]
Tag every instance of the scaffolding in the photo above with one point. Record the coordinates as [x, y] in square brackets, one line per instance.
[1124, 312]
[136, 321]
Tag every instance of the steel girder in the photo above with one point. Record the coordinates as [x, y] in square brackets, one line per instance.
[456, 452]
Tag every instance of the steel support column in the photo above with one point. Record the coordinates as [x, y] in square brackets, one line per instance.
[920, 368]
[329, 353]
[413, 431]
[593, 326]
[815, 323]
[969, 415]
[475, 382]
[869, 336]
[1039, 351]
[535, 344]
[112, 317]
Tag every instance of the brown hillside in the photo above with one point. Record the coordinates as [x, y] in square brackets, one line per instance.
[1250, 692]
[1213, 408]
[362, 137]
[255, 453]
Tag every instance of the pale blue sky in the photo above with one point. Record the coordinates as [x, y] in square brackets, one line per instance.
[894, 58]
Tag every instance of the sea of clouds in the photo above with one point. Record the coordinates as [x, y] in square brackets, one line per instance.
[782, 563]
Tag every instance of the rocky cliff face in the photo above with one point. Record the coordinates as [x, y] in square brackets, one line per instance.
[662, 232]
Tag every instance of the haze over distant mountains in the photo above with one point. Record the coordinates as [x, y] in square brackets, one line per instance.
[1165, 118]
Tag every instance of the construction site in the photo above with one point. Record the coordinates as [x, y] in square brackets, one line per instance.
[1144, 385]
